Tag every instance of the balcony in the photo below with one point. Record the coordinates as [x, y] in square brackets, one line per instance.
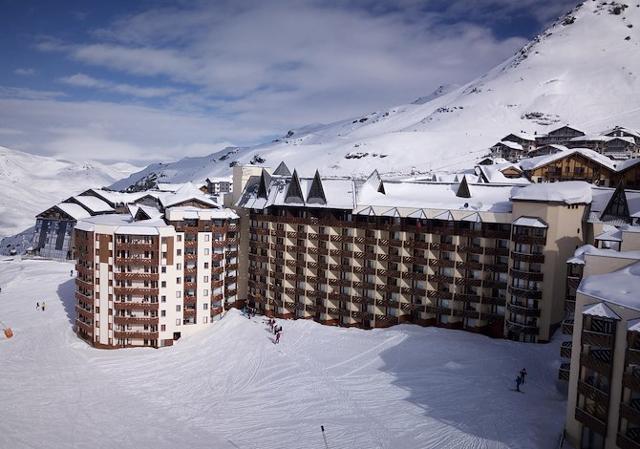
[135, 305]
[600, 397]
[632, 380]
[86, 314]
[587, 417]
[524, 310]
[124, 320]
[525, 292]
[598, 360]
[87, 328]
[141, 335]
[529, 239]
[85, 284]
[631, 411]
[563, 372]
[599, 339]
[565, 349]
[567, 327]
[137, 261]
[528, 258]
[527, 275]
[136, 246]
[520, 328]
[633, 356]
[136, 291]
[630, 440]
[133, 276]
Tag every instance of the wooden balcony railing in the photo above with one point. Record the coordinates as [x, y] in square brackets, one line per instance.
[136, 320]
[135, 276]
[140, 335]
[117, 305]
[600, 339]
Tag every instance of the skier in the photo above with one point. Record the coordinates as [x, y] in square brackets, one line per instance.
[523, 374]
[37, 306]
[277, 337]
[43, 306]
[518, 382]
[71, 273]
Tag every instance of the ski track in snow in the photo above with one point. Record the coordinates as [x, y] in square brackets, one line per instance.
[229, 386]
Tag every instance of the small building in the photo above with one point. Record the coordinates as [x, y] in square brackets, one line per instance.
[578, 164]
[511, 151]
[527, 141]
[218, 185]
[560, 136]
[546, 150]
[621, 131]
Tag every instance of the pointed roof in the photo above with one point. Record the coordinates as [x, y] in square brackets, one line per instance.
[316, 192]
[392, 213]
[263, 186]
[418, 213]
[463, 189]
[374, 181]
[294, 191]
[446, 215]
[366, 211]
[600, 310]
[282, 170]
[473, 218]
[617, 207]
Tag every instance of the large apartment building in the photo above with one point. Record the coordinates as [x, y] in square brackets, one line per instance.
[149, 276]
[372, 253]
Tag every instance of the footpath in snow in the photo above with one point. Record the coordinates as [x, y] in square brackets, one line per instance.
[231, 387]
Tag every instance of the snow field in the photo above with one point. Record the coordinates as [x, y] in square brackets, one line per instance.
[230, 386]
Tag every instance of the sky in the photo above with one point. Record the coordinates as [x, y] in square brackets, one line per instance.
[159, 80]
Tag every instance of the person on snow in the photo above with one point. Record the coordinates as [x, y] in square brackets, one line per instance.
[523, 374]
[37, 306]
[71, 273]
[278, 337]
[43, 306]
[518, 382]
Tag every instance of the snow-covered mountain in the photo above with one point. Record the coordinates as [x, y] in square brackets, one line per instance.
[30, 184]
[584, 70]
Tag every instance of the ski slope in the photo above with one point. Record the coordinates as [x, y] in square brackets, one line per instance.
[230, 387]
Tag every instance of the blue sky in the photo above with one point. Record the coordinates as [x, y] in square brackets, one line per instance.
[159, 80]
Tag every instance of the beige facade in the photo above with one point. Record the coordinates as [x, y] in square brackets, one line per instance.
[149, 282]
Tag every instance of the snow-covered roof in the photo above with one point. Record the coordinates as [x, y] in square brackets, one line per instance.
[118, 197]
[493, 174]
[123, 224]
[568, 192]
[188, 212]
[600, 138]
[581, 252]
[614, 235]
[632, 132]
[541, 161]
[531, 222]
[633, 325]
[600, 310]
[619, 287]
[510, 144]
[94, 204]
[75, 211]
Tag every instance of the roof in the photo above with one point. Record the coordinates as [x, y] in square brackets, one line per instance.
[618, 287]
[568, 192]
[541, 161]
[600, 310]
[510, 144]
[93, 204]
[531, 222]
[75, 211]
[124, 224]
[589, 250]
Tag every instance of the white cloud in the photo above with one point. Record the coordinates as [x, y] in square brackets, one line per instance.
[249, 70]
[24, 71]
[82, 80]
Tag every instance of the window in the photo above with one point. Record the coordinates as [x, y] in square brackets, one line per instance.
[178, 266]
[163, 298]
[178, 308]
[205, 306]
[178, 280]
[207, 237]
[178, 252]
[97, 309]
[205, 292]
[206, 279]
[163, 327]
[205, 320]
[163, 313]
[164, 254]
[206, 251]
[179, 237]
[206, 265]
[178, 322]
[163, 284]
[163, 269]
[178, 294]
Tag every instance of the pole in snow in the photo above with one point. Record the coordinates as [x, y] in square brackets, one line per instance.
[324, 437]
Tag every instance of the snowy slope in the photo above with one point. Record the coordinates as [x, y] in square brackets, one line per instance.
[581, 71]
[230, 386]
[31, 184]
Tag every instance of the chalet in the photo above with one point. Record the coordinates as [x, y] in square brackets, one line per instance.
[511, 151]
[218, 185]
[628, 174]
[546, 150]
[527, 141]
[560, 136]
[577, 164]
[615, 147]
[620, 131]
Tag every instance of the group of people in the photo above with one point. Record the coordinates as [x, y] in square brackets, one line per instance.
[40, 306]
[520, 379]
[250, 312]
[276, 329]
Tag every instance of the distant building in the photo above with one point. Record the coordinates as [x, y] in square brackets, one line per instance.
[559, 136]
[218, 185]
